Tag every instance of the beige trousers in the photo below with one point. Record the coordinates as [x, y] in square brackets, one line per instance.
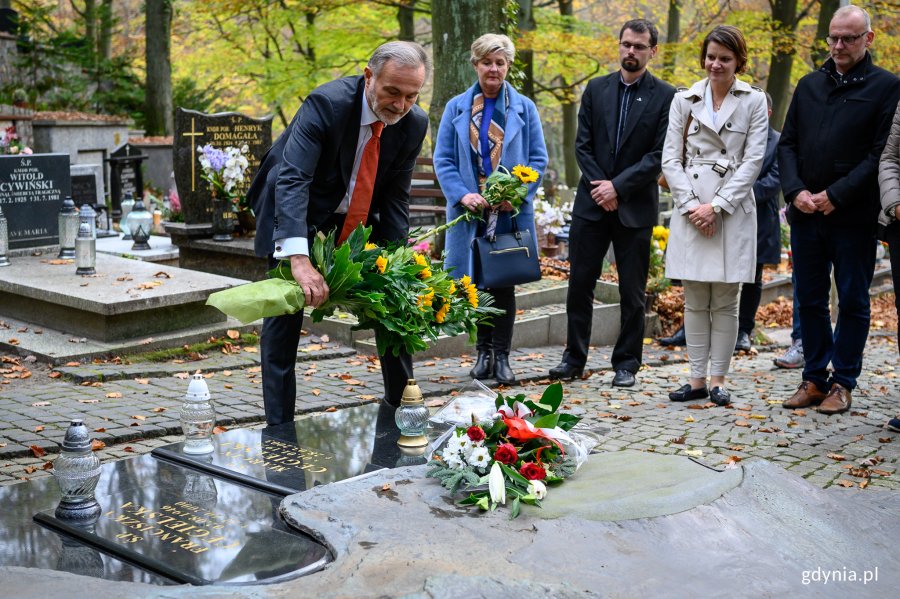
[710, 326]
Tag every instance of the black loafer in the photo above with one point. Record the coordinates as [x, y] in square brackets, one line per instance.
[719, 396]
[566, 372]
[686, 393]
[623, 378]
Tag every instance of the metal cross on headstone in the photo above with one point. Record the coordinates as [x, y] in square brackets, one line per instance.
[193, 133]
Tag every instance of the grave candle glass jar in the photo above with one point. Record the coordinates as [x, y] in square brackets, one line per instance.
[198, 417]
[85, 251]
[68, 229]
[139, 222]
[412, 416]
[127, 205]
[77, 470]
[88, 215]
[4, 239]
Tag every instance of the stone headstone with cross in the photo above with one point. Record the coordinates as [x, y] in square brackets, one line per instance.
[221, 130]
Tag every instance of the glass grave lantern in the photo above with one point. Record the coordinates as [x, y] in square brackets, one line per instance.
[139, 223]
[127, 205]
[4, 239]
[412, 417]
[198, 417]
[68, 229]
[85, 251]
[77, 470]
[88, 215]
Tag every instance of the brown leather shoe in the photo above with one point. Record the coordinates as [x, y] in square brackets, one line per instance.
[807, 394]
[837, 401]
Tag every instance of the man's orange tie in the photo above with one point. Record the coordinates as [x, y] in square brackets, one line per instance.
[361, 199]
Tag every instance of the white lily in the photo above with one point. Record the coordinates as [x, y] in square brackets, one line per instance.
[496, 484]
[537, 488]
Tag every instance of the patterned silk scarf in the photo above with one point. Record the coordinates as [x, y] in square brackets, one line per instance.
[495, 132]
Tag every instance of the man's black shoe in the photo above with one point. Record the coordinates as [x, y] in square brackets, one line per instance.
[677, 339]
[503, 373]
[743, 342]
[719, 396]
[686, 393]
[623, 378]
[566, 372]
[484, 366]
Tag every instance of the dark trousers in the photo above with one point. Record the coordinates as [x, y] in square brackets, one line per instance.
[278, 353]
[750, 295]
[588, 244]
[497, 336]
[818, 245]
[892, 236]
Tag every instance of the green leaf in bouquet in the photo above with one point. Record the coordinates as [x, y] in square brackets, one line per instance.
[513, 476]
[261, 299]
[567, 421]
[547, 421]
[514, 508]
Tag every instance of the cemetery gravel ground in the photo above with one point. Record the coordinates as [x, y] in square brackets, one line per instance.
[135, 408]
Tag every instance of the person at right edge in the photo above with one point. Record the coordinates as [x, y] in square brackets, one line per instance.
[833, 136]
[712, 156]
[889, 181]
[768, 236]
[621, 129]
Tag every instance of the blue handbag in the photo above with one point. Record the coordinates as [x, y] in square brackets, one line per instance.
[505, 259]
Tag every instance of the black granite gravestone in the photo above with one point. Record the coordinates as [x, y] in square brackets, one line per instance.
[9, 21]
[221, 130]
[182, 525]
[32, 189]
[84, 190]
[125, 176]
[296, 456]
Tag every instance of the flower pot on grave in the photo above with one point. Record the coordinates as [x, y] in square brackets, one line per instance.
[246, 223]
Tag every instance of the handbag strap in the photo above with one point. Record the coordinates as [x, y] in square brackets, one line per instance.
[687, 126]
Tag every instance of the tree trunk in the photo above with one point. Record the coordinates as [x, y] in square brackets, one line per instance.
[455, 24]
[673, 35]
[569, 118]
[784, 21]
[104, 39]
[406, 18]
[158, 93]
[826, 11]
[526, 57]
[90, 28]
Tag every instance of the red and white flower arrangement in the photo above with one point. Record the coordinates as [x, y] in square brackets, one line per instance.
[514, 457]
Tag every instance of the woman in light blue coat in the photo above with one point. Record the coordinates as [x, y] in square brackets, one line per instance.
[488, 125]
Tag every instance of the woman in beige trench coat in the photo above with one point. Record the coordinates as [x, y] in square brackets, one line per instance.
[713, 153]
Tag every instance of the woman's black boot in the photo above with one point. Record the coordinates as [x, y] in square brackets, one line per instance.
[484, 366]
[502, 371]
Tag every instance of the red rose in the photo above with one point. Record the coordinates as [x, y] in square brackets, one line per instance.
[506, 454]
[532, 471]
[475, 433]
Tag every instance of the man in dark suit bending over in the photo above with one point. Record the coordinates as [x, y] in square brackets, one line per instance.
[621, 128]
[347, 157]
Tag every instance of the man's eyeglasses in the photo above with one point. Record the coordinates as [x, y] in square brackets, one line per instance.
[847, 39]
[635, 47]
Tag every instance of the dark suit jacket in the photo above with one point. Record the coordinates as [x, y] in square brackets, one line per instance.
[634, 170]
[305, 174]
[765, 190]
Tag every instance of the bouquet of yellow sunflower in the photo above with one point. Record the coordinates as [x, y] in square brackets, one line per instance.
[505, 186]
[397, 292]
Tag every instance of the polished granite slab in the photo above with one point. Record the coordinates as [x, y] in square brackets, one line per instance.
[188, 527]
[296, 456]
